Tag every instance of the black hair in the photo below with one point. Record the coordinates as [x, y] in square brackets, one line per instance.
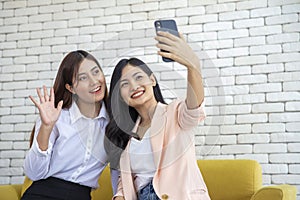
[122, 116]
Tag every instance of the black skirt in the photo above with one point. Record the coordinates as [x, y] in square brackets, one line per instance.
[56, 189]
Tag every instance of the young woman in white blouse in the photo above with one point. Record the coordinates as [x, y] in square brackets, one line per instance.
[67, 154]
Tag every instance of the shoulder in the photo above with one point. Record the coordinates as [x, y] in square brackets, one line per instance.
[64, 116]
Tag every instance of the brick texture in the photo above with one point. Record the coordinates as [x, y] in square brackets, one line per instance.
[250, 54]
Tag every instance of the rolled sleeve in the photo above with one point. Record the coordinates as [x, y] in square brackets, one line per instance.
[189, 118]
[36, 164]
[37, 150]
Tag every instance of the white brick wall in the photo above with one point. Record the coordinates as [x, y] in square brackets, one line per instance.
[251, 66]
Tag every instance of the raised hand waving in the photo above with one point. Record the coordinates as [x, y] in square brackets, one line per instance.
[48, 113]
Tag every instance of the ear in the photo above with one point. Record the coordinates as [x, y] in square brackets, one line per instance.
[153, 79]
[70, 88]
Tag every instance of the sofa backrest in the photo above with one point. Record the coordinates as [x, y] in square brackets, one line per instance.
[231, 179]
[225, 180]
[104, 191]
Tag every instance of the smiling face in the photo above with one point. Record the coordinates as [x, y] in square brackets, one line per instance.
[136, 87]
[89, 85]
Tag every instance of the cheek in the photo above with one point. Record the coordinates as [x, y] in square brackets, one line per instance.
[81, 88]
[124, 94]
[102, 79]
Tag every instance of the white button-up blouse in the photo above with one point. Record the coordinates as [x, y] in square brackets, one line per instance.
[75, 152]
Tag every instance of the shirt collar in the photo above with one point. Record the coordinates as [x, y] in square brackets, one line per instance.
[75, 113]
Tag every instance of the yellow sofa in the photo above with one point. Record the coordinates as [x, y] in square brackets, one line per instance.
[225, 179]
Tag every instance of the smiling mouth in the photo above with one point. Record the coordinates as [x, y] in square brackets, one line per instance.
[97, 89]
[137, 94]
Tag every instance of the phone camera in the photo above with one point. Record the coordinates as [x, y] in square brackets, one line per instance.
[158, 24]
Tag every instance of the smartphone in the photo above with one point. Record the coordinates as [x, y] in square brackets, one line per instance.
[166, 26]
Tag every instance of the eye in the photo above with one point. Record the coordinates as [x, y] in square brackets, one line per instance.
[96, 71]
[139, 77]
[124, 84]
[82, 78]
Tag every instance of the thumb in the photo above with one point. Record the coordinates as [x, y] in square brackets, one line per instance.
[182, 37]
[59, 105]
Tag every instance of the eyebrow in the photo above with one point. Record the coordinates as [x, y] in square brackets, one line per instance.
[90, 70]
[132, 76]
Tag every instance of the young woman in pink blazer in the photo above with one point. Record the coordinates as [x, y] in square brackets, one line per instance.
[151, 142]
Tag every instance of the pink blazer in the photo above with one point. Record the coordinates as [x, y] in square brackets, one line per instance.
[172, 140]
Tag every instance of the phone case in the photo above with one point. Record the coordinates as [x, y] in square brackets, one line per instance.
[166, 26]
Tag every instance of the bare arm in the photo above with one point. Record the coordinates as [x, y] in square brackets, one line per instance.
[181, 52]
[195, 89]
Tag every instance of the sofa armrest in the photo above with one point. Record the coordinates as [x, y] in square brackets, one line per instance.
[277, 192]
[10, 192]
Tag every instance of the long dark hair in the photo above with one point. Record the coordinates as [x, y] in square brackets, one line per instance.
[66, 74]
[123, 117]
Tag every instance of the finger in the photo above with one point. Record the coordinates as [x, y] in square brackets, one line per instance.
[182, 37]
[38, 90]
[46, 96]
[167, 35]
[164, 47]
[167, 55]
[165, 40]
[59, 105]
[172, 56]
[34, 101]
[52, 96]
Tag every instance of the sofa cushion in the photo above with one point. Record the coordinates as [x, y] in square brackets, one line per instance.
[104, 191]
[231, 179]
[26, 184]
[282, 192]
[9, 192]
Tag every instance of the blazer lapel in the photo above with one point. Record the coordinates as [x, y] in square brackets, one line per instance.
[128, 185]
[157, 132]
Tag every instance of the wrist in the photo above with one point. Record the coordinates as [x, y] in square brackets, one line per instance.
[47, 126]
[195, 62]
[195, 70]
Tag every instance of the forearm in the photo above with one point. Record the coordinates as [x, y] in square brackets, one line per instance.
[195, 89]
[43, 136]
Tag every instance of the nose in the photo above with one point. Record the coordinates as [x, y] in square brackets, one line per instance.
[93, 80]
[134, 85]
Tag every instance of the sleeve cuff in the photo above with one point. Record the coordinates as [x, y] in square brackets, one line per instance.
[198, 113]
[36, 149]
[189, 118]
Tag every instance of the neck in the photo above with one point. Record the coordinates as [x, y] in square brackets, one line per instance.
[146, 112]
[89, 110]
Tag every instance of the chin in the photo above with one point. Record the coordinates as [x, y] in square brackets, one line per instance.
[138, 103]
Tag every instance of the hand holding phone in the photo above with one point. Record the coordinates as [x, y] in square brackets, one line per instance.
[175, 43]
[166, 26]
